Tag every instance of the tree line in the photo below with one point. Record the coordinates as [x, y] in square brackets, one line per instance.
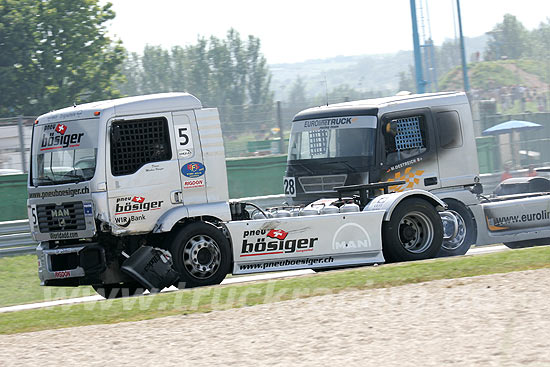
[56, 52]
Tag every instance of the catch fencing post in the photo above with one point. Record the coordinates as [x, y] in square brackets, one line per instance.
[22, 144]
[280, 125]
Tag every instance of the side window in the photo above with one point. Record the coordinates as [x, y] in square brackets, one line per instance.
[450, 132]
[405, 137]
[135, 143]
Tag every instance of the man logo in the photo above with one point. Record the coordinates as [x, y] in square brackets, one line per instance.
[352, 237]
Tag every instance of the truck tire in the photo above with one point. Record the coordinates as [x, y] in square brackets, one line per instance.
[414, 232]
[201, 255]
[467, 231]
[110, 291]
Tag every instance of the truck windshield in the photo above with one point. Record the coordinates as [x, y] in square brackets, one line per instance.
[64, 166]
[64, 152]
[325, 138]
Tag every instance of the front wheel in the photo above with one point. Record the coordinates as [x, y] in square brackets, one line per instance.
[201, 255]
[466, 234]
[414, 232]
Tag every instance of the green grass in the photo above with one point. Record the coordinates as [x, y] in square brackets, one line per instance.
[19, 283]
[234, 296]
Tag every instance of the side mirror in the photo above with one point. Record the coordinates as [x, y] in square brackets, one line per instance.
[477, 189]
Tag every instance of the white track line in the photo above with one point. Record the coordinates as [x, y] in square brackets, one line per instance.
[231, 280]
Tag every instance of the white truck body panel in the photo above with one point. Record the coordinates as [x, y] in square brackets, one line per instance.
[307, 242]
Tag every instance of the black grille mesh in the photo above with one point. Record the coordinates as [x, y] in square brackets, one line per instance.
[139, 142]
[60, 218]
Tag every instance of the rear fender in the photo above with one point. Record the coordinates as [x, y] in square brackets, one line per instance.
[388, 202]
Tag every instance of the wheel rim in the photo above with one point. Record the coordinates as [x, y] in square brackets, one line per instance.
[416, 232]
[460, 235]
[201, 256]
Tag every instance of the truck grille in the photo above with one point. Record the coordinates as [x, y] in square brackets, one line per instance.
[315, 184]
[61, 218]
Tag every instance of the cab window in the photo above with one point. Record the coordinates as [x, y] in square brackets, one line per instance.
[404, 138]
[135, 143]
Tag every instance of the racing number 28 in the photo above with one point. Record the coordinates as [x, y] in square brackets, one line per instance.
[289, 185]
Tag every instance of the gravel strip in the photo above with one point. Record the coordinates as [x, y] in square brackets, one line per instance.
[494, 320]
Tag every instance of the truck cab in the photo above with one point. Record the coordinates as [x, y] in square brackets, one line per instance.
[425, 140]
[107, 177]
[418, 138]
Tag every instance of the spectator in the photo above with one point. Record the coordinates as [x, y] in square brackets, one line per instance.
[506, 174]
[531, 172]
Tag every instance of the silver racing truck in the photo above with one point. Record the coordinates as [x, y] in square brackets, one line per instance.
[132, 193]
[426, 142]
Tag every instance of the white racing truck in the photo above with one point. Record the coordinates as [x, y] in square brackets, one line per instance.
[132, 193]
[428, 142]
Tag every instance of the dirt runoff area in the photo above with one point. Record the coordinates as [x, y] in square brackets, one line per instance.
[495, 320]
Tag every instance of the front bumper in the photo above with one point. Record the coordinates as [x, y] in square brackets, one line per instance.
[70, 265]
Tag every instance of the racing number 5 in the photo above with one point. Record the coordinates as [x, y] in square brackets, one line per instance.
[183, 137]
[34, 217]
[289, 185]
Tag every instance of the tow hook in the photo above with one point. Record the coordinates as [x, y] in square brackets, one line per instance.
[450, 225]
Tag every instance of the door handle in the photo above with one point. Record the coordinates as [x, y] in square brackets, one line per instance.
[430, 181]
[176, 197]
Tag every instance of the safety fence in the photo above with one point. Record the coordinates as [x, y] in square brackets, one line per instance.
[15, 238]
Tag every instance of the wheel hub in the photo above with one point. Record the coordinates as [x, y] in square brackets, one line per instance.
[201, 256]
[416, 232]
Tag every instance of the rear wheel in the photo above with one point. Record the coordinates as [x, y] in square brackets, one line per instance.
[414, 232]
[201, 255]
[466, 234]
[118, 290]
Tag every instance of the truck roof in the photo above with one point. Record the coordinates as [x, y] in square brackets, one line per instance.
[127, 105]
[372, 106]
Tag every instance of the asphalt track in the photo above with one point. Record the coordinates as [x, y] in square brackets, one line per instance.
[232, 280]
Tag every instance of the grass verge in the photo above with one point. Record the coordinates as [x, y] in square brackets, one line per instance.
[233, 296]
[19, 283]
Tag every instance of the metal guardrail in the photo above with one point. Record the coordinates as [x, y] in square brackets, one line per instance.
[15, 238]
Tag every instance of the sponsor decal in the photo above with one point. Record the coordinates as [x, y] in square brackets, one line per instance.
[192, 184]
[193, 169]
[63, 235]
[56, 137]
[285, 263]
[404, 164]
[410, 177]
[62, 274]
[135, 204]
[88, 210]
[184, 153]
[60, 128]
[125, 221]
[351, 237]
[274, 241]
[56, 193]
[329, 122]
[517, 221]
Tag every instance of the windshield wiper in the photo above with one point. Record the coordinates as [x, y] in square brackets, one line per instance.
[43, 179]
[79, 178]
